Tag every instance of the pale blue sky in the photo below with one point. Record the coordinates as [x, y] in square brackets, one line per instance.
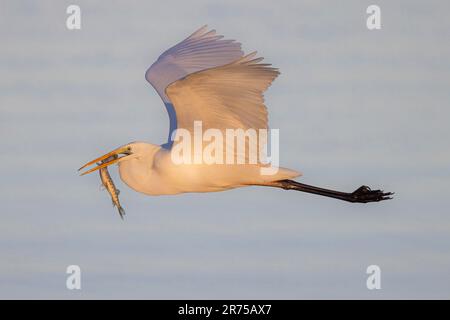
[353, 107]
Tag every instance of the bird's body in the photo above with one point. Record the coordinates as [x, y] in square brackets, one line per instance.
[208, 80]
[156, 174]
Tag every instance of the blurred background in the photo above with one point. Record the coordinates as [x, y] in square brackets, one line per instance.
[353, 107]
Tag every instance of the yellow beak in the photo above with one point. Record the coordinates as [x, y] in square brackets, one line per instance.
[114, 155]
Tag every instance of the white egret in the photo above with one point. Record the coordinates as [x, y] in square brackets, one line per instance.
[206, 78]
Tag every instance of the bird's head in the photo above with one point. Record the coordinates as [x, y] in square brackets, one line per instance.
[133, 150]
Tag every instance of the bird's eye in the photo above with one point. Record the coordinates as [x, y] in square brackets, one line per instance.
[129, 148]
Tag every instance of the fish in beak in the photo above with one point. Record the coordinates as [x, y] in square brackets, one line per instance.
[115, 156]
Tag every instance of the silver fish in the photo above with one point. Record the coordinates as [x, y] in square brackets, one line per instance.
[108, 183]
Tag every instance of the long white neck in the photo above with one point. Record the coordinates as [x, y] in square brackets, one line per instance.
[137, 172]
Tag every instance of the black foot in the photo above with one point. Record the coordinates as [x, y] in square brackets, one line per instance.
[364, 194]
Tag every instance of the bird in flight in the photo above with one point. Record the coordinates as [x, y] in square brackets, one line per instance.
[208, 79]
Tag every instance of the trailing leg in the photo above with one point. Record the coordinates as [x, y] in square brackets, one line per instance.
[363, 194]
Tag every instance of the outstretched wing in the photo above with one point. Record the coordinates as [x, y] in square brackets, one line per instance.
[201, 50]
[225, 97]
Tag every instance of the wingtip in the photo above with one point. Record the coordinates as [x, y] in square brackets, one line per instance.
[246, 58]
[199, 31]
[251, 55]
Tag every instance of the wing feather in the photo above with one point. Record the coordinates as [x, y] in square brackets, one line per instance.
[201, 50]
[225, 97]
[229, 96]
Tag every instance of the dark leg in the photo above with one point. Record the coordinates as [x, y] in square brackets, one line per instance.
[363, 194]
